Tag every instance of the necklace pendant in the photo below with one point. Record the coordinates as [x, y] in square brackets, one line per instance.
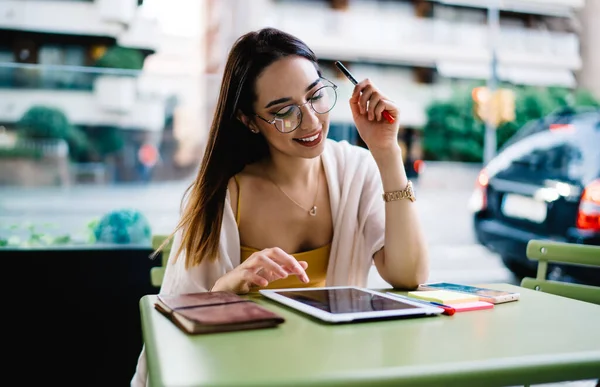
[313, 211]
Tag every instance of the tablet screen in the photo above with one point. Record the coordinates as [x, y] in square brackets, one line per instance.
[345, 300]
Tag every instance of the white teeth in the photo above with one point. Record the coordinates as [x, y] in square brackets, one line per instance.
[309, 139]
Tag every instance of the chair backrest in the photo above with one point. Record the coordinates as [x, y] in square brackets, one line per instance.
[545, 251]
[157, 273]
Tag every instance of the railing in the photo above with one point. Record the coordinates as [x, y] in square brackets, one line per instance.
[47, 148]
[88, 95]
[41, 147]
[55, 77]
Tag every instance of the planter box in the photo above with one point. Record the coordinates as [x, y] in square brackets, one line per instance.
[75, 311]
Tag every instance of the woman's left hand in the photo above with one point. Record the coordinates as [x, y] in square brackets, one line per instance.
[367, 104]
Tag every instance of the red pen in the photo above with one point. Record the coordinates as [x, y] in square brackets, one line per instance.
[344, 70]
[448, 310]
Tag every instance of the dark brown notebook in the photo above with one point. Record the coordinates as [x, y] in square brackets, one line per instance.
[211, 312]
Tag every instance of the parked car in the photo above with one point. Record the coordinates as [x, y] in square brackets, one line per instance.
[543, 184]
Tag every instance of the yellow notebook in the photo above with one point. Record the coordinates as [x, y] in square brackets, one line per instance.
[443, 296]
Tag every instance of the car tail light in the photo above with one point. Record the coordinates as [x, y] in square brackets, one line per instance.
[588, 217]
[562, 128]
[478, 200]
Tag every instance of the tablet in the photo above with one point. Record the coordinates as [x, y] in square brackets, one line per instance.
[348, 303]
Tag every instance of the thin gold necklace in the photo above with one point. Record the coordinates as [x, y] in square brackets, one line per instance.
[313, 210]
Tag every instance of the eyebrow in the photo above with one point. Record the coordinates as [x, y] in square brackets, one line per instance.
[286, 99]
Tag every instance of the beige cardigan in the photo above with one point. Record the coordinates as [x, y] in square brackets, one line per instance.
[358, 216]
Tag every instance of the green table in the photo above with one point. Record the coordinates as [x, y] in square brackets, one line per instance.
[541, 338]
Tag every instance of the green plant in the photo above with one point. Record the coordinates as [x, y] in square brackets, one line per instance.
[452, 133]
[123, 227]
[46, 122]
[80, 145]
[39, 235]
[31, 235]
[121, 58]
[106, 140]
[43, 122]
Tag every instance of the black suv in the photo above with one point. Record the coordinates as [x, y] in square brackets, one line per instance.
[543, 184]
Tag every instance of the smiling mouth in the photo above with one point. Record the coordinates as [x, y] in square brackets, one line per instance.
[309, 138]
[310, 141]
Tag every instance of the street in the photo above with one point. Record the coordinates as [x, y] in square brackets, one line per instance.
[442, 195]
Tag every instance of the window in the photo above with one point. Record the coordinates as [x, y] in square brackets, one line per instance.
[6, 72]
[68, 56]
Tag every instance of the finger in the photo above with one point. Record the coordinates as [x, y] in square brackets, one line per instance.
[267, 275]
[271, 276]
[304, 264]
[358, 88]
[373, 102]
[378, 109]
[288, 262]
[252, 278]
[391, 108]
[262, 262]
[364, 98]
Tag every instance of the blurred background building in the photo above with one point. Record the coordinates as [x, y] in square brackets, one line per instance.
[136, 81]
[124, 83]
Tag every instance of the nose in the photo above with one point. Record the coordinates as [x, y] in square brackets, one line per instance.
[310, 119]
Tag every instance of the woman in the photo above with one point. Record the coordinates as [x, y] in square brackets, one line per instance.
[277, 204]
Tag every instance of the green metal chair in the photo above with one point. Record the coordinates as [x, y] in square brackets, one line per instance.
[157, 273]
[545, 251]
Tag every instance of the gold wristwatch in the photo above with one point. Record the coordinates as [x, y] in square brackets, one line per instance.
[406, 193]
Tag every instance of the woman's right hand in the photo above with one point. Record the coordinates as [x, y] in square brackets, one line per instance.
[260, 269]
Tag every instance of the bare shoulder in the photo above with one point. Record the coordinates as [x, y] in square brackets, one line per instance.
[250, 179]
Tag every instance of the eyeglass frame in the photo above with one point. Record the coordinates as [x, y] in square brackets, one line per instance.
[272, 122]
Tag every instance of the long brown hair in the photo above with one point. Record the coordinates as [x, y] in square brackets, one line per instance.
[231, 145]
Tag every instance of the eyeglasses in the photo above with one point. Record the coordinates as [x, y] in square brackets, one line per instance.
[288, 118]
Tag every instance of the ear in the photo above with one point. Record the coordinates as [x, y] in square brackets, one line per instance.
[250, 124]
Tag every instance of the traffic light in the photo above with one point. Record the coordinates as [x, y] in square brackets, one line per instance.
[481, 102]
[495, 108]
[505, 105]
